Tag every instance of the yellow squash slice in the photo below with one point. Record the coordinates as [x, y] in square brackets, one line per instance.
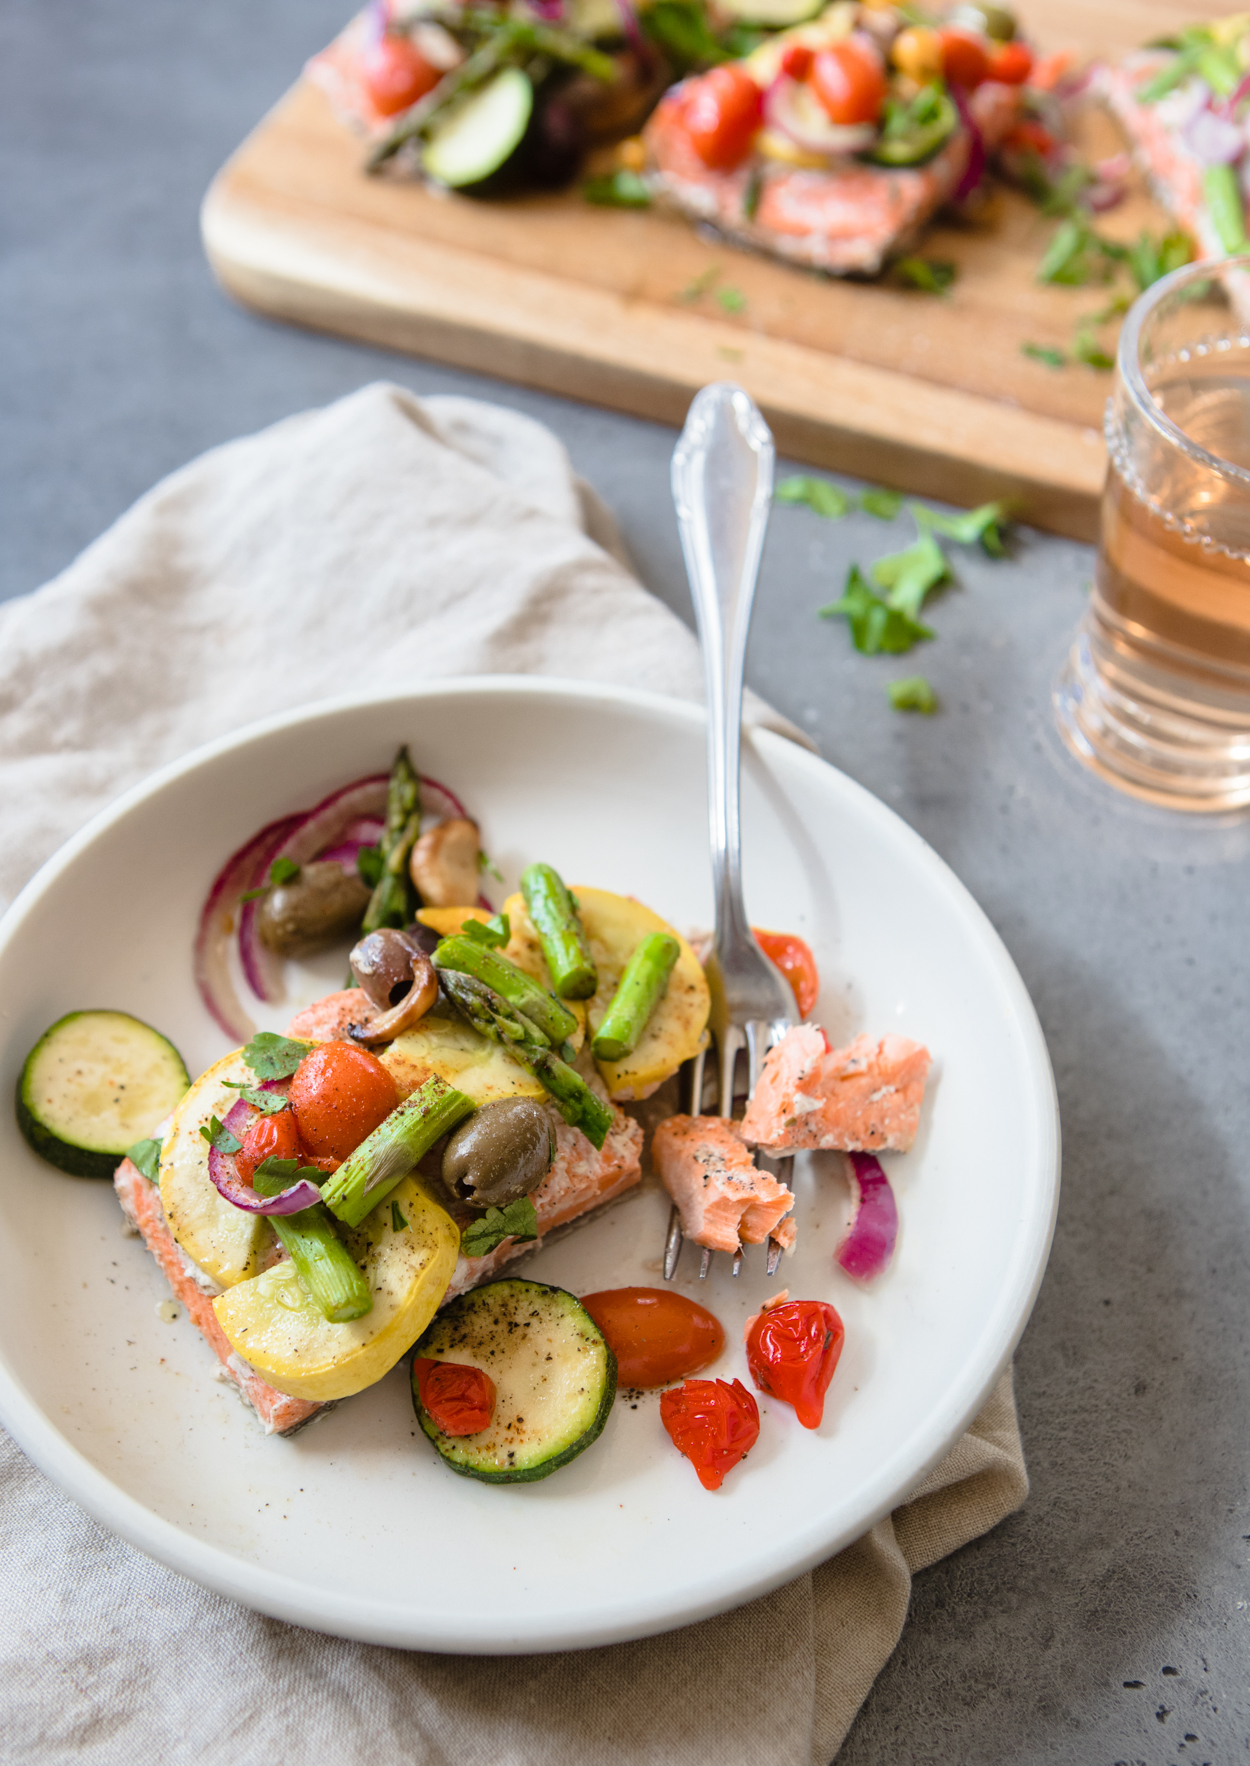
[407, 1249]
[614, 926]
[452, 1049]
[226, 1243]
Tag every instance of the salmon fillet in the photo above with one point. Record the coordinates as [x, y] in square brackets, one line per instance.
[864, 1098]
[723, 1199]
[141, 1203]
[329, 1019]
[1175, 173]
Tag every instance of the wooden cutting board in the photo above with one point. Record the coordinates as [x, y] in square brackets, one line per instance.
[931, 394]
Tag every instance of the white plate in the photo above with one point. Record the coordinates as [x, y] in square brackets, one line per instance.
[354, 1527]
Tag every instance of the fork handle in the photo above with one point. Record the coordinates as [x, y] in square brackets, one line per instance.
[722, 489]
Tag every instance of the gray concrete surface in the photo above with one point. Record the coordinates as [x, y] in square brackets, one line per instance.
[1110, 1620]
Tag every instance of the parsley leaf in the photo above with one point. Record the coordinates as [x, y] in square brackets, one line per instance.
[907, 576]
[1044, 353]
[818, 494]
[269, 1103]
[620, 189]
[1087, 349]
[696, 289]
[975, 524]
[518, 1220]
[147, 1156]
[220, 1137]
[271, 1056]
[485, 864]
[912, 694]
[930, 275]
[370, 865]
[282, 870]
[884, 504]
[875, 626]
[1076, 255]
[494, 932]
[272, 1176]
[731, 300]
[398, 1223]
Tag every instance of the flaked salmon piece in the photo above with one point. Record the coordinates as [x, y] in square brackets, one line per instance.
[329, 1019]
[864, 1098]
[141, 1203]
[711, 1175]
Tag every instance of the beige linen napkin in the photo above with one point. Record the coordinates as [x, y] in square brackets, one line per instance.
[255, 579]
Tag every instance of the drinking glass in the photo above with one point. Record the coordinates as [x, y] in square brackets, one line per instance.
[1155, 694]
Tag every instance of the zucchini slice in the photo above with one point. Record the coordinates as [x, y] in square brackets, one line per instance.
[480, 133]
[93, 1085]
[555, 1379]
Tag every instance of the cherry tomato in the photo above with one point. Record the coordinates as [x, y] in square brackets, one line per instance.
[965, 58]
[340, 1093]
[722, 112]
[1031, 136]
[269, 1137]
[1011, 63]
[792, 1351]
[458, 1400]
[713, 1423]
[396, 74]
[796, 962]
[849, 81]
[796, 60]
[655, 1335]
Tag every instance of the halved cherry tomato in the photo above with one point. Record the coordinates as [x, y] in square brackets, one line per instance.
[965, 58]
[796, 60]
[713, 1423]
[459, 1400]
[792, 1351]
[849, 80]
[1011, 63]
[269, 1137]
[722, 112]
[655, 1334]
[340, 1093]
[396, 74]
[796, 962]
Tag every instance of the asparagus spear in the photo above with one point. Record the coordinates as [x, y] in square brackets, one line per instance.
[392, 1150]
[559, 926]
[555, 1020]
[490, 1013]
[327, 1269]
[388, 905]
[645, 978]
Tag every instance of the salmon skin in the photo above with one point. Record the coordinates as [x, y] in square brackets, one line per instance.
[864, 1098]
[710, 1173]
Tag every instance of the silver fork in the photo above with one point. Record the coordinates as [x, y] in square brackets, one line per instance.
[722, 488]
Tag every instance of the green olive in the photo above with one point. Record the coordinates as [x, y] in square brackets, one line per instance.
[991, 21]
[503, 1151]
[323, 903]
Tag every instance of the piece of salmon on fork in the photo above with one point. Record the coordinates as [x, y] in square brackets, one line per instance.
[722, 489]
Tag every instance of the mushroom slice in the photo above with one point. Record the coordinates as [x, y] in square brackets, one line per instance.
[444, 863]
[399, 979]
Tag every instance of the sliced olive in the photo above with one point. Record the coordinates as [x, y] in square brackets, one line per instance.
[502, 1152]
[323, 903]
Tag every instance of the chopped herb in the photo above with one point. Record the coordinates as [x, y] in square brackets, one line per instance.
[484, 864]
[282, 870]
[398, 1223]
[620, 189]
[908, 576]
[731, 300]
[268, 1102]
[1087, 349]
[751, 195]
[968, 528]
[884, 504]
[729, 355]
[681, 30]
[1044, 353]
[819, 495]
[147, 1156]
[696, 289]
[1114, 309]
[1151, 259]
[518, 1220]
[494, 932]
[370, 865]
[1076, 256]
[272, 1176]
[875, 626]
[217, 1135]
[930, 275]
[912, 694]
[271, 1056]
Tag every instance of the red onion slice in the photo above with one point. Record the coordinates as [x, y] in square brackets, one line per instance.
[212, 941]
[793, 109]
[869, 1244]
[224, 1172]
[974, 171]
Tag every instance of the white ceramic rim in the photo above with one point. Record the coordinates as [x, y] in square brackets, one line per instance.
[349, 1616]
